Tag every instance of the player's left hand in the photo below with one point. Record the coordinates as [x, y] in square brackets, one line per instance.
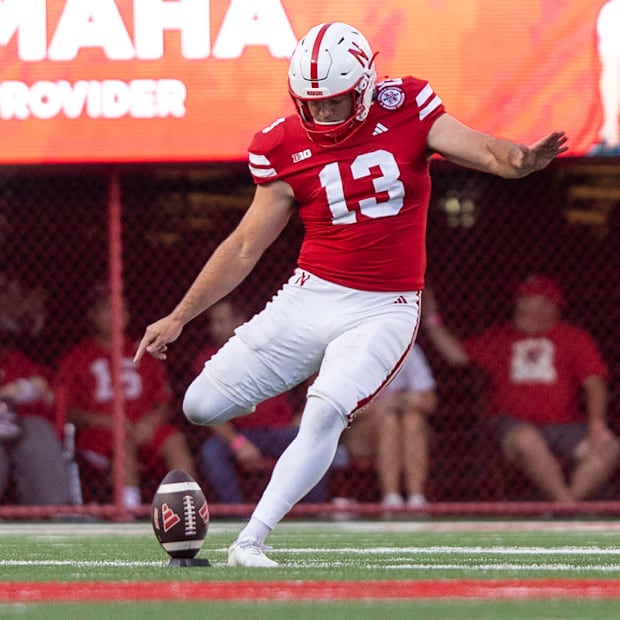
[539, 155]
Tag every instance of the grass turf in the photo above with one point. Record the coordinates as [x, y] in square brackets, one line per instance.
[314, 551]
[323, 610]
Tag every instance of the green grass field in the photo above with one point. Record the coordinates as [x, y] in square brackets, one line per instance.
[435, 569]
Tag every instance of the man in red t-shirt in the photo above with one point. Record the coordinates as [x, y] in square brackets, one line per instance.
[85, 375]
[537, 365]
[29, 444]
[246, 440]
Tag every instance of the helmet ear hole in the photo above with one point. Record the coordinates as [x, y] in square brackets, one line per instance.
[331, 60]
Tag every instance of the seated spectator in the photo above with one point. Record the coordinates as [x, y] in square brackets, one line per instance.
[539, 366]
[86, 376]
[29, 445]
[393, 432]
[23, 319]
[22, 310]
[248, 440]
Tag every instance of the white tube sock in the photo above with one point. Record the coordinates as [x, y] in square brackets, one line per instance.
[300, 467]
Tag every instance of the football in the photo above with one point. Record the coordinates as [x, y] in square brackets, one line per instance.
[180, 515]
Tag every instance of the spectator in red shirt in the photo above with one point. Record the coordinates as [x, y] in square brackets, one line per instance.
[246, 441]
[29, 444]
[86, 376]
[537, 365]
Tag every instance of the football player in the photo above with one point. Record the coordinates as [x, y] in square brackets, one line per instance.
[353, 163]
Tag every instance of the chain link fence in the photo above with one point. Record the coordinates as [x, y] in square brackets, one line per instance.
[484, 235]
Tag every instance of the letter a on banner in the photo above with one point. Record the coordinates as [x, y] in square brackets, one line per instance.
[91, 23]
[248, 22]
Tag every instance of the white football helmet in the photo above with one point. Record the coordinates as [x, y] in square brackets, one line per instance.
[331, 60]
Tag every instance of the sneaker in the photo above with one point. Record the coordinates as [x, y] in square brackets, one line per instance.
[392, 500]
[344, 509]
[250, 554]
[131, 497]
[417, 500]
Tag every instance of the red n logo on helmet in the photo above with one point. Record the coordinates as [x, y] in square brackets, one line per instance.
[359, 54]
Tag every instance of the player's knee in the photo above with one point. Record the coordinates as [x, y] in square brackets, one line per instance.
[321, 418]
[204, 404]
[195, 405]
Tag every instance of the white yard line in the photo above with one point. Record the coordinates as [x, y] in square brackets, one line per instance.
[405, 564]
[467, 568]
[447, 549]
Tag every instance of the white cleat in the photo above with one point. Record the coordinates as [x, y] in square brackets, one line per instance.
[250, 554]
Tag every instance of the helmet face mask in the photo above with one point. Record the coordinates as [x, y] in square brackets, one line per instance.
[332, 60]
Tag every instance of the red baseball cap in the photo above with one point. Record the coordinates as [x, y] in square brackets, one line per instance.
[541, 285]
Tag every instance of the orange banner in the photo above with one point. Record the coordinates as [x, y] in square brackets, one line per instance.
[192, 80]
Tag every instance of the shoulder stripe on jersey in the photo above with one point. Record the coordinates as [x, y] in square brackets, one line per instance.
[434, 103]
[423, 95]
[259, 160]
[260, 166]
[426, 106]
[262, 173]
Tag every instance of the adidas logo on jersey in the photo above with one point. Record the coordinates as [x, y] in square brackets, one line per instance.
[379, 128]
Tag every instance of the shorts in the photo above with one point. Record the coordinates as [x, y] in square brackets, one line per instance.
[562, 438]
[355, 340]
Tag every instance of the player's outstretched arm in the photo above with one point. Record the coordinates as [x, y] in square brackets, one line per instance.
[227, 267]
[474, 149]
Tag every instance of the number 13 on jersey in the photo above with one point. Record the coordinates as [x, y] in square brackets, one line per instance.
[387, 183]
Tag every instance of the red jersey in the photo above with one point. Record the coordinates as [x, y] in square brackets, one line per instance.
[86, 374]
[536, 377]
[363, 202]
[275, 412]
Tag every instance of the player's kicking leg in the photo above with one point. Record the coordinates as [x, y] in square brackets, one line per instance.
[298, 470]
